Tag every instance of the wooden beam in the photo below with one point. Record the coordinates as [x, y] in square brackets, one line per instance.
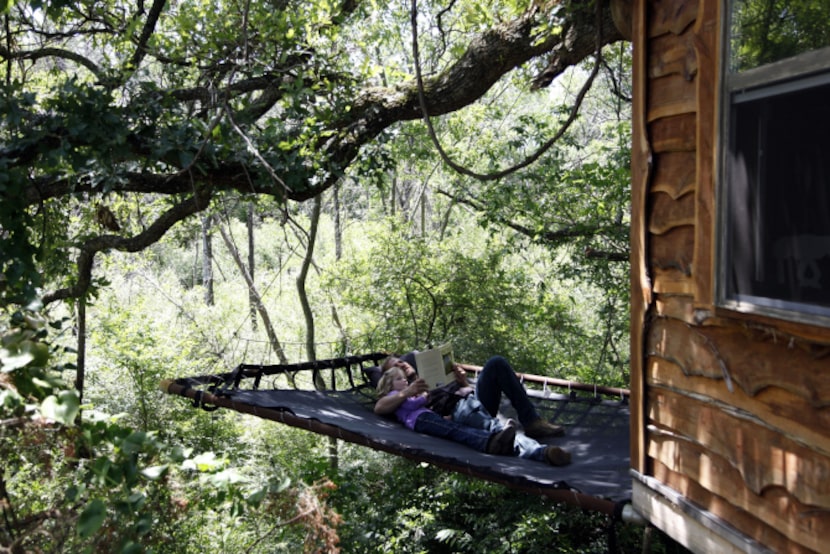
[694, 528]
[641, 286]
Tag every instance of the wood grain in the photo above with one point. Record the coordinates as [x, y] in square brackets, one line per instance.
[743, 357]
[763, 457]
[675, 249]
[742, 518]
[670, 16]
[674, 134]
[793, 415]
[668, 213]
[675, 173]
[671, 95]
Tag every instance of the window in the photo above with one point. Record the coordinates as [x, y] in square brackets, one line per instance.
[774, 222]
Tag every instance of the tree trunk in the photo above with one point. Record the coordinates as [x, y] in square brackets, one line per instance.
[338, 231]
[260, 307]
[81, 359]
[338, 254]
[251, 263]
[207, 261]
[311, 352]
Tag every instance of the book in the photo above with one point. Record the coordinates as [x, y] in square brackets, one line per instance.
[435, 366]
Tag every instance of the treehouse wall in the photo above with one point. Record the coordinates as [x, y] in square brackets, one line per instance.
[731, 414]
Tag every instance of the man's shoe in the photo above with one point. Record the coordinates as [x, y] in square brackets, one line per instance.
[540, 429]
[501, 443]
[555, 456]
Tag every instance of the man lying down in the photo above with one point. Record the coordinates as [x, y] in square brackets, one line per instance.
[466, 414]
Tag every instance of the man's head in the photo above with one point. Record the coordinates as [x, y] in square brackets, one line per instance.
[395, 361]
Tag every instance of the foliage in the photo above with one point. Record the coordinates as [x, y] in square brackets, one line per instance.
[122, 121]
[481, 297]
[114, 104]
[434, 511]
[765, 31]
[91, 484]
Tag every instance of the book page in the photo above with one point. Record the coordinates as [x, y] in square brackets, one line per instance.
[435, 365]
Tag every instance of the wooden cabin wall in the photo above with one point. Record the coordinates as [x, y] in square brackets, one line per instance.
[734, 412]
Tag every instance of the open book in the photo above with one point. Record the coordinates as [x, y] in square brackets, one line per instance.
[435, 365]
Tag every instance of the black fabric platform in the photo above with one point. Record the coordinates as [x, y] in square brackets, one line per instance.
[597, 434]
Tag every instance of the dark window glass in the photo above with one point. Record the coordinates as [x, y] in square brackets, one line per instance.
[778, 197]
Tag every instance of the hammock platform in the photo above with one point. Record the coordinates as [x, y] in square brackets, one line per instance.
[335, 398]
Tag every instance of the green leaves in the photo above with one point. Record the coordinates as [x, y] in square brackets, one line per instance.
[92, 518]
[62, 407]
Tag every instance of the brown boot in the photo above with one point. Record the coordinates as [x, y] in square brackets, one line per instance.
[501, 443]
[540, 429]
[555, 456]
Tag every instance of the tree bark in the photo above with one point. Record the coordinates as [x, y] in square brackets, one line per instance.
[207, 261]
[251, 263]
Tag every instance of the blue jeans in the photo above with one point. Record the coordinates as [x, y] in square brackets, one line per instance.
[497, 377]
[469, 411]
[433, 424]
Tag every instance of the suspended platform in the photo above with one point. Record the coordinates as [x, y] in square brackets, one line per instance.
[335, 398]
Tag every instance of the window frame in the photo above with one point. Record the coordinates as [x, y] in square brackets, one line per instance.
[800, 72]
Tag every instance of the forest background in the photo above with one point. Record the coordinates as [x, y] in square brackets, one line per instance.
[189, 185]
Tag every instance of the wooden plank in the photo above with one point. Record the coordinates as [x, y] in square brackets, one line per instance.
[678, 524]
[669, 96]
[675, 249]
[746, 358]
[668, 213]
[675, 306]
[673, 54]
[741, 519]
[786, 331]
[779, 408]
[802, 524]
[674, 134]
[641, 295]
[670, 16]
[675, 173]
[707, 52]
[672, 281]
[762, 455]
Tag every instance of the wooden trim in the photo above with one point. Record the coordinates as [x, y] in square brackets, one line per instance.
[787, 329]
[791, 413]
[696, 529]
[641, 294]
[707, 35]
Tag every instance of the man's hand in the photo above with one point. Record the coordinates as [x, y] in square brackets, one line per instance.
[460, 375]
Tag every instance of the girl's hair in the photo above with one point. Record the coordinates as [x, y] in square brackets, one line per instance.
[385, 383]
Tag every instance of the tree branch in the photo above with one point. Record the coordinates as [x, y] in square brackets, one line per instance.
[198, 202]
[146, 34]
[41, 53]
[554, 237]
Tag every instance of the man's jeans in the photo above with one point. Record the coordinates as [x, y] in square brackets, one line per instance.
[498, 377]
[469, 411]
[433, 424]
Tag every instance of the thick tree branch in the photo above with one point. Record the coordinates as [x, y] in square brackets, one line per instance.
[152, 234]
[41, 53]
[487, 58]
[146, 34]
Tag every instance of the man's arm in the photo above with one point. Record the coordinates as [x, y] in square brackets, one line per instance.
[391, 402]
